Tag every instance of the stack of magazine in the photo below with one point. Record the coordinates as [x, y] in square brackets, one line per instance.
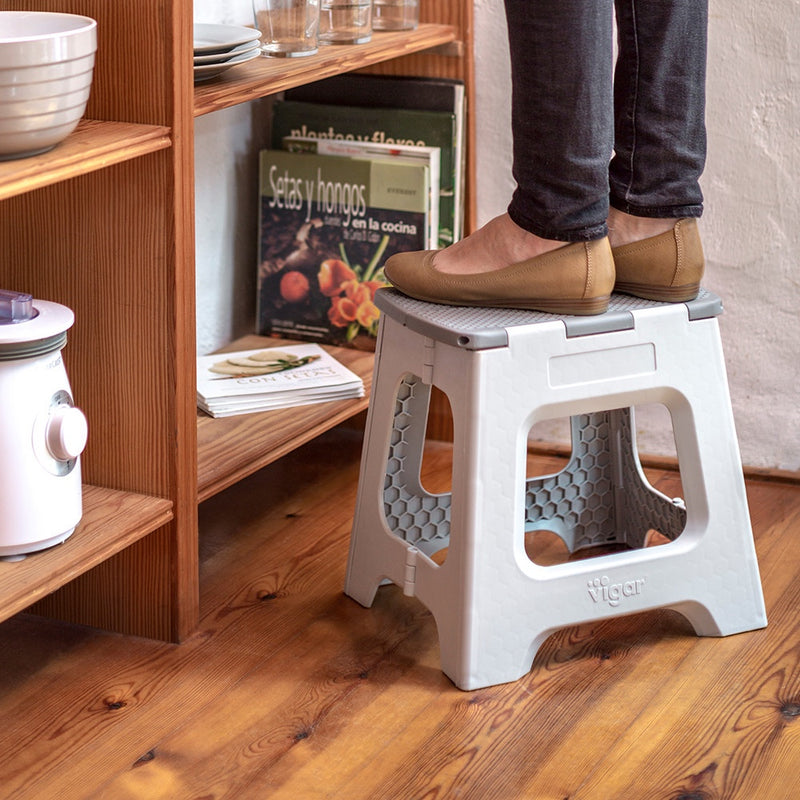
[270, 378]
[360, 167]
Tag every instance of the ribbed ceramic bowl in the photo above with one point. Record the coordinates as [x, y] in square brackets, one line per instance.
[24, 111]
[42, 73]
[46, 68]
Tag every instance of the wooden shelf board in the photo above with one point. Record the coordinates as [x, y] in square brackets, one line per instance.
[231, 448]
[111, 521]
[265, 75]
[93, 145]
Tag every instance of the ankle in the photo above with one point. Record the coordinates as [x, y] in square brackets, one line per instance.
[626, 228]
[497, 244]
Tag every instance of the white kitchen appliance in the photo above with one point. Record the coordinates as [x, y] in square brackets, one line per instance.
[42, 434]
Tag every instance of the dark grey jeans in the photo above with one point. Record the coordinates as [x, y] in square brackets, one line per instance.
[589, 133]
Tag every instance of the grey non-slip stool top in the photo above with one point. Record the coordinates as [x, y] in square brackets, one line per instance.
[503, 371]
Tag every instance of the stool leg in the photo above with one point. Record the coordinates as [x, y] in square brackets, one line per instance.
[372, 555]
[479, 644]
[395, 516]
[723, 587]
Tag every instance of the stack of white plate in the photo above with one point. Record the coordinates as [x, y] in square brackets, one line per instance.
[219, 47]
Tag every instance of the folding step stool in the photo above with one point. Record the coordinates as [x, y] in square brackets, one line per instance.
[503, 371]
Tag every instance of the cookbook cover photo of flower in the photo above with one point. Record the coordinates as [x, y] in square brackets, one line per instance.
[327, 225]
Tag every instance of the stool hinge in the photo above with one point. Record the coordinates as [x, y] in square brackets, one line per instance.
[428, 355]
[410, 576]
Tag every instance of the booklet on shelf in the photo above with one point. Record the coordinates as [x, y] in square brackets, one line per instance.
[270, 378]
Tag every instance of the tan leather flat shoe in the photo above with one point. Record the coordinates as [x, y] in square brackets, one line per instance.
[574, 279]
[667, 267]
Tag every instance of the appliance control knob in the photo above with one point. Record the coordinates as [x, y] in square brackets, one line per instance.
[66, 433]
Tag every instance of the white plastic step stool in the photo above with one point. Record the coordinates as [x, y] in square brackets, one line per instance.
[503, 371]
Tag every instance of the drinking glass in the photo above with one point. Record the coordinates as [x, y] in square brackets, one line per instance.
[345, 21]
[395, 15]
[288, 27]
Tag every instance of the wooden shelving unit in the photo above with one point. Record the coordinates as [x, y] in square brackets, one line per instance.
[104, 224]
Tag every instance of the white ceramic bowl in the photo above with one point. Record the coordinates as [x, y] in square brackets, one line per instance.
[48, 119]
[23, 143]
[46, 68]
[28, 38]
[14, 92]
[15, 76]
[29, 108]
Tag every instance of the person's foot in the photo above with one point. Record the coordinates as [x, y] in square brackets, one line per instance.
[509, 272]
[656, 259]
[499, 243]
[625, 228]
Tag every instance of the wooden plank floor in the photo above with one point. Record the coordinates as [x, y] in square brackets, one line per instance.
[290, 690]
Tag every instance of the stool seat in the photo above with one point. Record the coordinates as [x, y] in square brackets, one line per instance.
[503, 371]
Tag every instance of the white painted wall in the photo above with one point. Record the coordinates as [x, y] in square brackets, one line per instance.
[750, 229]
[226, 175]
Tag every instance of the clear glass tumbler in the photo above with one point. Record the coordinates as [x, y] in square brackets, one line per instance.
[288, 27]
[345, 21]
[395, 15]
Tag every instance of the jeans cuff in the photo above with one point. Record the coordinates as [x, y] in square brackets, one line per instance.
[585, 234]
[660, 212]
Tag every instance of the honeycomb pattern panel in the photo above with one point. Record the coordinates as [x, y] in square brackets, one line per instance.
[420, 518]
[578, 502]
[601, 496]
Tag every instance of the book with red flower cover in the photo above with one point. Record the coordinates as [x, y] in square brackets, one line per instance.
[327, 225]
